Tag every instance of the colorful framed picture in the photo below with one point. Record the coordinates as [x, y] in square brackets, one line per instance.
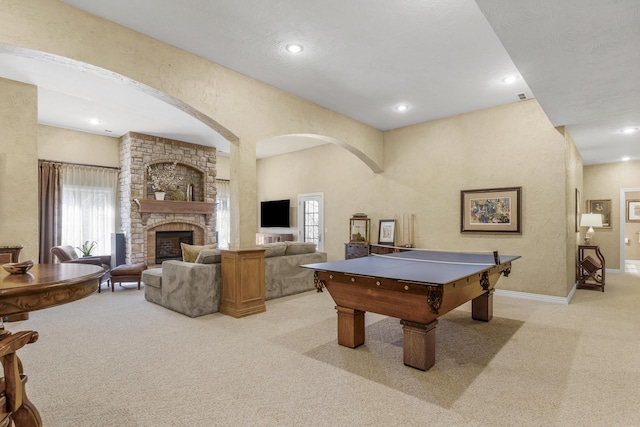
[633, 210]
[602, 207]
[387, 232]
[491, 211]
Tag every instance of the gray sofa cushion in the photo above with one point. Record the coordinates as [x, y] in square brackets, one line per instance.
[152, 277]
[297, 248]
[284, 276]
[209, 256]
[190, 288]
[274, 249]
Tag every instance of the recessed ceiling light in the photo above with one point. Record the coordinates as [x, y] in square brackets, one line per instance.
[509, 79]
[294, 48]
[629, 130]
[626, 159]
[402, 107]
[94, 121]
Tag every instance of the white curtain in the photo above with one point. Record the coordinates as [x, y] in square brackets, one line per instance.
[89, 206]
[223, 218]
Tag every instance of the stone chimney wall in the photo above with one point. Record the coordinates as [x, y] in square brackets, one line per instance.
[196, 163]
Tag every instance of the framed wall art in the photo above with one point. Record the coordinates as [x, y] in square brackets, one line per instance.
[387, 232]
[577, 211]
[495, 210]
[602, 207]
[633, 210]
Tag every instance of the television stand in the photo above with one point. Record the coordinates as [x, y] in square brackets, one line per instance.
[264, 238]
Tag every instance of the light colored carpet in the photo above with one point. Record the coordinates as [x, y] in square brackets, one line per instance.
[114, 359]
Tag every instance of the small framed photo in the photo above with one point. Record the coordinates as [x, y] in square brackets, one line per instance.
[602, 207]
[387, 232]
[633, 210]
[495, 210]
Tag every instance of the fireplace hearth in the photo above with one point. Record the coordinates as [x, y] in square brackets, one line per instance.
[168, 244]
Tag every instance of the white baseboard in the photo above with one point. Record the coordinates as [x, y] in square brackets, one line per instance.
[538, 297]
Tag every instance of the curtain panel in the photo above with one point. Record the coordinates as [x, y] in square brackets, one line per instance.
[223, 217]
[88, 206]
[48, 209]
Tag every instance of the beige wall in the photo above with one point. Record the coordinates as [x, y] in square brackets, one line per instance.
[573, 182]
[632, 230]
[251, 110]
[19, 167]
[222, 167]
[605, 182]
[427, 165]
[71, 146]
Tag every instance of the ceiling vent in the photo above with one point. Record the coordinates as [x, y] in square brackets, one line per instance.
[522, 96]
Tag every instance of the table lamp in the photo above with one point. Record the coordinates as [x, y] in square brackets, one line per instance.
[590, 220]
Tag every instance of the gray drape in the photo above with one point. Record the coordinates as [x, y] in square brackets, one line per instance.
[48, 208]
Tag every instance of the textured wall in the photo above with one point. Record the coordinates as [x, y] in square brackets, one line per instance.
[573, 182]
[632, 231]
[251, 110]
[427, 165]
[604, 182]
[77, 147]
[19, 167]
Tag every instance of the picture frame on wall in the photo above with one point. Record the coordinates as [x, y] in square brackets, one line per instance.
[577, 211]
[497, 210]
[387, 232]
[633, 210]
[602, 207]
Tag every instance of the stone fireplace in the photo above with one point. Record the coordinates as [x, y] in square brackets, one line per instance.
[168, 244]
[141, 216]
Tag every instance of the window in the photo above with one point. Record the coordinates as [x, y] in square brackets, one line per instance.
[88, 206]
[311, 219]
[223, 217]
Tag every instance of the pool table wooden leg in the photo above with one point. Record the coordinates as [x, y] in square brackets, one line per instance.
[419, 344]
[350, 327]
[482, 306]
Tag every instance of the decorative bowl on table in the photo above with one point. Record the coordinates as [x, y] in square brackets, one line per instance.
[18, 267]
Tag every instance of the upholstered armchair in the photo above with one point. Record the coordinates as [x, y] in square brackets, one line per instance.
[67, 253]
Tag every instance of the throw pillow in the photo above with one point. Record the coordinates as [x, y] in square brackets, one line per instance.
[190, 252]
[297, 248]
[209, 256]
[274, 249]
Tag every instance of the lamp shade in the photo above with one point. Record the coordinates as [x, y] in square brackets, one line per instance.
[591, 220]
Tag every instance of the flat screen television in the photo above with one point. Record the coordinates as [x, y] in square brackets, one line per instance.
[274, 213]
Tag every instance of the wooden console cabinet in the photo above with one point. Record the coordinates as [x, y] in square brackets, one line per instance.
[355, 250]
[591, 267]
[242, 290]
[9, 254]
[265, 238]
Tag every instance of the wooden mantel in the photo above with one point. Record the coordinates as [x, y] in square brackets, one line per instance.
[148, 206]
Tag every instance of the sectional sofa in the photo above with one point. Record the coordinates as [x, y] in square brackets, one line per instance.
[193, 288]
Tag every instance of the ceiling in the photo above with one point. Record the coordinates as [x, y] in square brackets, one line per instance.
[362, 58]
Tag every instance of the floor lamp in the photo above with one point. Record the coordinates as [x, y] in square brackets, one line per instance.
[590, 220]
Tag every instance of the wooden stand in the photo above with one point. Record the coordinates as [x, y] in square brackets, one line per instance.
[355, 250]
[10, 254]
[590, 270]
[243, 285]
[266, 238]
